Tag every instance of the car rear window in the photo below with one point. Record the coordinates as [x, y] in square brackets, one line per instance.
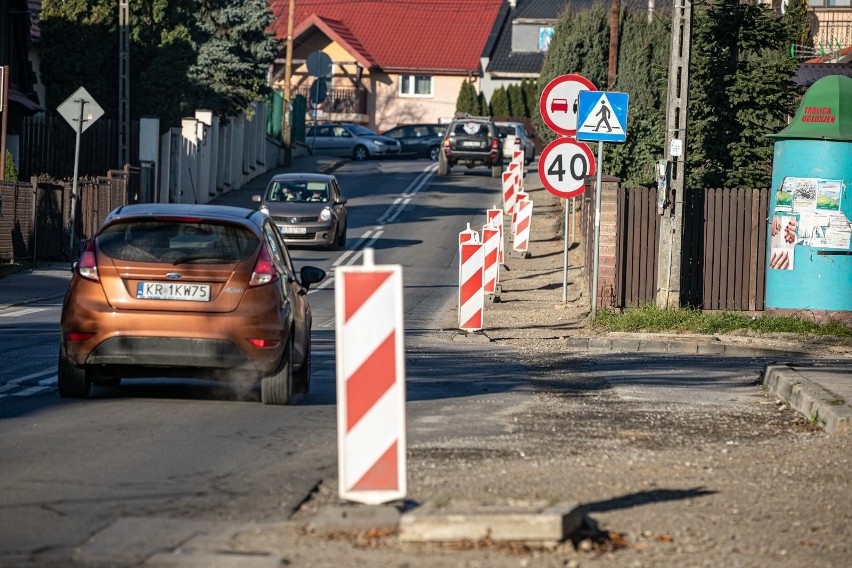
[178, 242]
[470, 129]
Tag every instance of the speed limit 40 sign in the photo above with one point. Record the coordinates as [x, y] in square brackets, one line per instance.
[563, 167]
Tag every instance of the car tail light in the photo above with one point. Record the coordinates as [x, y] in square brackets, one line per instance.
[518, 142]
[264, 270]
[264, 343]
[87, 266]
[494, 144]
[78, 336]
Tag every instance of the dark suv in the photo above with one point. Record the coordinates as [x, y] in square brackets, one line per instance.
[472, 141]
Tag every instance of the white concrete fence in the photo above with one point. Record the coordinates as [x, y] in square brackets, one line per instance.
[206, 157]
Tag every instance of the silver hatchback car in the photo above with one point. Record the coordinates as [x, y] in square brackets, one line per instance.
[350, 141]
[307, 208]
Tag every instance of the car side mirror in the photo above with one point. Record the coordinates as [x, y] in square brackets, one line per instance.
[311, 275]
[342, 200]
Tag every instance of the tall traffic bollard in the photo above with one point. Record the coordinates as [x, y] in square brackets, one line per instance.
[471, 305]
[495, 217]
[521, 242]
[370, 382]
[491, 264]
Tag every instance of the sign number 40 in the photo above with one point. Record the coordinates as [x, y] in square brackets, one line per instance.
[578, 165]
[563, 167]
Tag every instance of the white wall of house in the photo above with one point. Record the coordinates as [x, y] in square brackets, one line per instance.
[392, 108]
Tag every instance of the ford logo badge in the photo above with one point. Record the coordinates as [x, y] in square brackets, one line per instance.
[173, 275]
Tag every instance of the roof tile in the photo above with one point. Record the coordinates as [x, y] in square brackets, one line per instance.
[405, 35]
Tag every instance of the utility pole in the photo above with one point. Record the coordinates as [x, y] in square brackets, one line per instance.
[615, 11]
[123, 83]
[288, 76]
[671, 222]
[4, 117]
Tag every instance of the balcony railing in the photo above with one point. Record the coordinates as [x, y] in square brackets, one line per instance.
[345, 101]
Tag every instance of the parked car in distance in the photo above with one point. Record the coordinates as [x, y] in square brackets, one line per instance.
[350, 141]
[515, 139]
[200, 291]
[471, 141]
[418, 140]
[307, 209]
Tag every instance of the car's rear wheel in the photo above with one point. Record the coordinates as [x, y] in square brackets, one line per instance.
[360, 153]
[434, 153]
[302, 377]
[72, 381]
[443, 165]
[278, 387]
[496, 171]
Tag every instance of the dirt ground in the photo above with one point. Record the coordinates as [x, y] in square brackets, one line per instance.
[754, 485]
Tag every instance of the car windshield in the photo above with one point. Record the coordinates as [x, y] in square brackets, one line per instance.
[176, 241]
[359, 130]
[298, 191]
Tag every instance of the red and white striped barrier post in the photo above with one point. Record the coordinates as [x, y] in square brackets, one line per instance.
[491, 264]
[468, 235]
[520, 196]
[508, 192]
[370, 382]
[471, 305]
[521, 242]
[519, 158]
[495, 217]
[518, 171]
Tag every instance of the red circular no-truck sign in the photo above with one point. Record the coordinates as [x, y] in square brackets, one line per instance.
[563, 167]
[558, 103]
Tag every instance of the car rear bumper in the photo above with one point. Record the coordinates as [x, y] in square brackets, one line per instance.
[152, 339]
[490, 159]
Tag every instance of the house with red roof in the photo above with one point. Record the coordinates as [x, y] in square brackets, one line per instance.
[392, 61]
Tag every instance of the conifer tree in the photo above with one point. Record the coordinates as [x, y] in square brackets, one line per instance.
[517, 108]
[500, 102]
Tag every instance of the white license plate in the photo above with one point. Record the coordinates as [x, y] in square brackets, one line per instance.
[173, 291]
[292, 230]
[471, 144]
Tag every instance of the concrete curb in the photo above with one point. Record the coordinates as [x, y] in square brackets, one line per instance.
[633, 345]
[545, 525]
[814, 402]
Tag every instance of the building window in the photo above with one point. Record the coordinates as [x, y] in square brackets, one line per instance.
[415, 85]
[544, 36]
[828, 4]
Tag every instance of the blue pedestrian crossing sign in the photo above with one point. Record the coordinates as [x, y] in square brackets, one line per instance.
[602, 116]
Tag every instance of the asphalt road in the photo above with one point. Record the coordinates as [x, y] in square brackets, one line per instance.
[182, 449]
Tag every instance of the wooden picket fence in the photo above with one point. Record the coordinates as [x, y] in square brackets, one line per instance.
[35, 216]
[723, 249]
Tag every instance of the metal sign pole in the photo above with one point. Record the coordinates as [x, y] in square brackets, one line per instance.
[565, 257]
[597, 230]
[79, 131]
[573, 220]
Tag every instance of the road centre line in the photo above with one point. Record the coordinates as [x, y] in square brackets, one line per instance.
[391, 213]
[23, 312]
[342, 258]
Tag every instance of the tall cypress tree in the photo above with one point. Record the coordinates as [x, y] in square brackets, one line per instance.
[499, 102]
[517, 108]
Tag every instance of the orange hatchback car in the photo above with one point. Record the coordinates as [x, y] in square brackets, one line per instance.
[170, 290]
